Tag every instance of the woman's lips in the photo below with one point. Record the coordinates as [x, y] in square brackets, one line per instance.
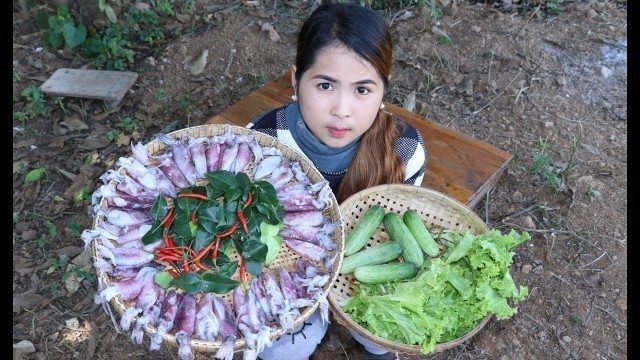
[338, 133]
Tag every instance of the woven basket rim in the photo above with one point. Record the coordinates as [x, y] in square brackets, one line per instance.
[420, 192]
[264, 140]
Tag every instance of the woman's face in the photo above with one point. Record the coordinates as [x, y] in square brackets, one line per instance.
[339, 96]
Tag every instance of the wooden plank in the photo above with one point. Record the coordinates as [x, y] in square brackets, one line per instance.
[458, 165]
[110, 86]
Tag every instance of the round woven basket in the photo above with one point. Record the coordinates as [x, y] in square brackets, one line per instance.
[437, 210]
[286, 257]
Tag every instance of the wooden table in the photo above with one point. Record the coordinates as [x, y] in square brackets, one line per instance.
[459, 166]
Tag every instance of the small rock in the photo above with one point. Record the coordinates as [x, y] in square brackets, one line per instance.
[24, 346]
[605, 72]
[622, 303]
[560, 80]
[566, 339]
[528, 223]
[517, 196]
[591, 14]
[150, 60]
[525, 269]
[548, 124]
[476, 28]
[606, 104]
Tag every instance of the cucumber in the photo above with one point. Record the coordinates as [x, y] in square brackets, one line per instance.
[420, 233]
[375, 255]
[378, 274]
[399, 232]
[362, 231]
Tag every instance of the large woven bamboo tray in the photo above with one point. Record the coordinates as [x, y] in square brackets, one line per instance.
[286, 257]
[437, 210]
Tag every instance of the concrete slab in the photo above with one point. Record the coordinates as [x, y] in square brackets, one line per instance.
[107, 85]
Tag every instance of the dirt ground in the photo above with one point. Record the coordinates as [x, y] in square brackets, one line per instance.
[515, 75]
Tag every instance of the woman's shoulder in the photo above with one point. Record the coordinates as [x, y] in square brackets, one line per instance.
[269, 121]
[407, 130]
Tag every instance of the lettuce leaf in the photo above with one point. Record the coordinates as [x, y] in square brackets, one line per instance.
[448, 297]
[269, 236]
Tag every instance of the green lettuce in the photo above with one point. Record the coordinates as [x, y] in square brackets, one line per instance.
[269, 236]
[448, 297]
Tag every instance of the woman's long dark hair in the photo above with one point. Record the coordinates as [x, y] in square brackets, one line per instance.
[364, 32]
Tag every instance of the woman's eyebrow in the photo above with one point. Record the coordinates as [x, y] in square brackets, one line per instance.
[330, 79]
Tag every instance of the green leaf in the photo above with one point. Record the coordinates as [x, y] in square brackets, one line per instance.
[253, 267]
[163, 279]
[190, 282]
[52, 230]
[42, 20]
[217, 283]
[229, 268]
[209, 217]
[111, 15]
[154, 234]
[55, 39]
[34, 175]
[221, 180]
[160, 208]
[74, 36]
[203, 238]
[182, 226]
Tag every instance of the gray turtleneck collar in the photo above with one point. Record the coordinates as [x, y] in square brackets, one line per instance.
[326, 158]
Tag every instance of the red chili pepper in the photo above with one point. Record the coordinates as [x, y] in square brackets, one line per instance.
[243, 270]
[169, 251]
[185, 266]
[166, 220]
[206, 250]
[242, 220]
[196, 196]
[173, 273]
[202, 266]
[165, 256]
[248, 201]
[214, 254]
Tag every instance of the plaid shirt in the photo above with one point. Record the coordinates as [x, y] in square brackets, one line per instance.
[409, 146]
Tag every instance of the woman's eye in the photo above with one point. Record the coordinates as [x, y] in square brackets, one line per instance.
[362, 90]
[325, 86]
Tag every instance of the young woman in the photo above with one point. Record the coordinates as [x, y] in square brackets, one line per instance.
[337, 119]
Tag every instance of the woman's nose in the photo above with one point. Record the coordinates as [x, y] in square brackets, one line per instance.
[342, 106]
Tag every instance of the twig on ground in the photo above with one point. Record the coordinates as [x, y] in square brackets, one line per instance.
[559, 278]
[588, 319]
[598, 258]
[495, 98]
[612, 315]
[521, 212]
[530, 17]
[535, 321]
[232, 48]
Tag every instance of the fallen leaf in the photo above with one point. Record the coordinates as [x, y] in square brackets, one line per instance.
[66, 173]
[123, 140]
[27, 300]
[273, 35]
[57, 142]
[82, 261]
[198, 66]
[70, 251]
[594, 281]
[410, 102]
[590, 149]
[24, 143]
[95, 141]
[30, 192]
[29, 235]
[74, 123]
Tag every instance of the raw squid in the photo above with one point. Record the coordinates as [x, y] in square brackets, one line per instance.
[206, 320]
[128, 289]
[228, 328]
[170, 168]
[167, 316]
[181, 155]
[197, 150]
[184, 324]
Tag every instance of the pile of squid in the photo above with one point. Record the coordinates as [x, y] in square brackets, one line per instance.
[259, 307]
